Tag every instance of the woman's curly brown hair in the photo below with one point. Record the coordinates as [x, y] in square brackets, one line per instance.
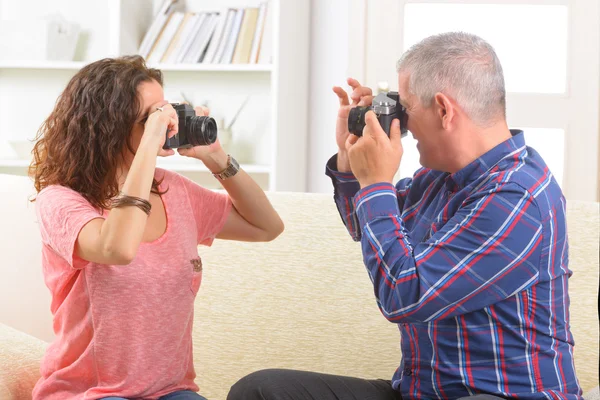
[81, 143]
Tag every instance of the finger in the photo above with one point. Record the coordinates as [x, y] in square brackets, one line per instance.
[166, 152]
[164, 105]
[185, 152]
[352, 139]
[353, 83]
[157, 106]
[201, 110]
[344, 111]
[372, 126]
[395, 136]
[359, 93]
[342, 95]
[365, 101]
[173, 127]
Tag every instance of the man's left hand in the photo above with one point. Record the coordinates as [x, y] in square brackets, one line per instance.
[213, 156]
[374, 157]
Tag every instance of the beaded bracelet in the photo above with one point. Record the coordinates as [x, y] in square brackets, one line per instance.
[123, 200]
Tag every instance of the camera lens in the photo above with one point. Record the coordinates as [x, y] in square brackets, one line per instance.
[356, 120]
[202, 131]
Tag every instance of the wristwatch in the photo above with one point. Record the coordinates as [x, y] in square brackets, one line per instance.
[232, 168]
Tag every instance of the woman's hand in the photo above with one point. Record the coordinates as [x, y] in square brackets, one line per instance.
[157, 125]
[213, 155]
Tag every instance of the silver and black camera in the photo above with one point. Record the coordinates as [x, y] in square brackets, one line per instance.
[387, 107]
[193, 130]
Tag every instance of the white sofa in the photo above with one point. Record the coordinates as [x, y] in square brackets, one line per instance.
[303, 301]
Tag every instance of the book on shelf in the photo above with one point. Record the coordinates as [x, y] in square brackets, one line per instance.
[231, 13]
[266, 42]
[215, 40]
[260, 27]
[156, 28]
[178, 38]
[226, 36]
[243, 47]
[233, 37]
[165, 38]
[189, 39]
[201, 39]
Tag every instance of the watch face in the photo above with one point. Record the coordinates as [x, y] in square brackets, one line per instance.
[231, 170]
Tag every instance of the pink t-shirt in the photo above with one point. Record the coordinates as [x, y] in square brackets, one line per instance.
[124, 330]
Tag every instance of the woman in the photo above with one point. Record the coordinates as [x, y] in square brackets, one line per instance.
[120, 236]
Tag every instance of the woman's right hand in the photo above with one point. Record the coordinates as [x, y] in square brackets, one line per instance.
[361, 96]
[157, 124]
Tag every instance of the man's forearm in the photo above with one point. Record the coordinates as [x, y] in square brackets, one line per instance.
[343, 163]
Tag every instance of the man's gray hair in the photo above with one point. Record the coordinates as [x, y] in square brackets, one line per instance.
[462, 66]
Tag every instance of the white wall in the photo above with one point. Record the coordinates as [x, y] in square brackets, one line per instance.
[328, 68]
[339, 49]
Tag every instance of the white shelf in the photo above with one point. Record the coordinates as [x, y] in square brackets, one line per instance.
[182, 167]
[215, 67]
[76, 65]
[14, 163]
[28, 64]
[249, 168]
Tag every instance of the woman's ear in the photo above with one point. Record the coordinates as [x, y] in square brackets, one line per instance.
[445, 110]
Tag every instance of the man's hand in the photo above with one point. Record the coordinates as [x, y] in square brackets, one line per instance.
[374, 157]
[361, 96]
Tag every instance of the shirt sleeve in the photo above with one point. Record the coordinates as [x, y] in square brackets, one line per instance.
[346, 186]
[488, 251]
[211, 209]
[62, 213]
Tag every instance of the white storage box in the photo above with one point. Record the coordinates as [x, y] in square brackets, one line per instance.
[52, 38]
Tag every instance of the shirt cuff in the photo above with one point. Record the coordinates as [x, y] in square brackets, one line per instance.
[377, 200]
[342, 177]
[345, 182]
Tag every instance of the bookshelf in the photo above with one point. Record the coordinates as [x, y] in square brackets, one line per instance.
[269, 137]
[76, 65]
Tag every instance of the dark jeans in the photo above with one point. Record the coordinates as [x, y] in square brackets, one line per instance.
[180, 395]
[283, 384]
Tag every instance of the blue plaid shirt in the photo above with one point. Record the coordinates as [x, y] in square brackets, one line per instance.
[473, 268]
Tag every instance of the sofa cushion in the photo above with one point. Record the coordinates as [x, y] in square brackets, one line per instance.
[303, 301]
[22, 283]
[20, 356]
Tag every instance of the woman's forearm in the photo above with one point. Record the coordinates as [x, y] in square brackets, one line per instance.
[248, 198]
[252, 204]
[122, 232]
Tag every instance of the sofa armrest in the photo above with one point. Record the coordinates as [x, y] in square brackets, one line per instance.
[20, 357]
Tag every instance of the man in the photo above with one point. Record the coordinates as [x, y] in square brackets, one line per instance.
[469, 256]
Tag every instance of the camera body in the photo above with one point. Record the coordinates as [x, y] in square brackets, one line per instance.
[193, 130]
[387, 107]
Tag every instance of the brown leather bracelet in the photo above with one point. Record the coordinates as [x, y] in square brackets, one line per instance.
[123, 200]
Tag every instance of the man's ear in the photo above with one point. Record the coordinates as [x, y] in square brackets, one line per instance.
[445, 110]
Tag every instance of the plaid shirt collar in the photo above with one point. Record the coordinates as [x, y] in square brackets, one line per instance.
[481, 165]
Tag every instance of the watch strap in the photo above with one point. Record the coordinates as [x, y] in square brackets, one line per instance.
[232, 168]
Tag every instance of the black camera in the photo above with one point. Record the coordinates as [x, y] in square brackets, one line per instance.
[387, 107]
[193, 130]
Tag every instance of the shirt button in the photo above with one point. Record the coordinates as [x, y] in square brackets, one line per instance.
[407, 372]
